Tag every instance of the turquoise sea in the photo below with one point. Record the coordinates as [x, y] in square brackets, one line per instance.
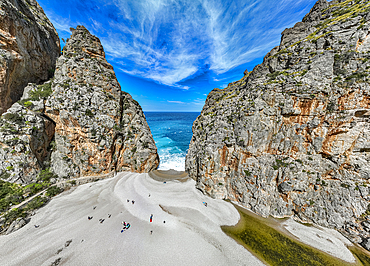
[172, 134]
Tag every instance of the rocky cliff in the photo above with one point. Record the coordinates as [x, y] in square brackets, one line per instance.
[79, 123]
[29, 47]
[292, 137]
[99, 128]
[25, 137]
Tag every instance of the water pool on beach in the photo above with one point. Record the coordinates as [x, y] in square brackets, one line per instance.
[262, 237]
[172, 132]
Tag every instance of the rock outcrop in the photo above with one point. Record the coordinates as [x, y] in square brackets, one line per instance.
[99, 128]
[292, 137]
[29, 47]
[79, 123]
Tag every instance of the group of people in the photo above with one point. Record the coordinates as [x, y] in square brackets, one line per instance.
[133, 202]
[101, 220]
[126, 226]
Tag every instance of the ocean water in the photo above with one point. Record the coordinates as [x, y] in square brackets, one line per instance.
[172, 134]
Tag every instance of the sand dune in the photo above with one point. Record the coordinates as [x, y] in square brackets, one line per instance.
[190, 235]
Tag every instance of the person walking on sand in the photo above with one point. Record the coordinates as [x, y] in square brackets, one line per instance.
[151, 218]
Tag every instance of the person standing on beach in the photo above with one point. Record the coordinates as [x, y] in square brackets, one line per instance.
[151, 218]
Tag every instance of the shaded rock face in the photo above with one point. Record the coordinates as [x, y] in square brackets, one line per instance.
[29, 47]
[99, 128]
[24, 144]
[292, 137]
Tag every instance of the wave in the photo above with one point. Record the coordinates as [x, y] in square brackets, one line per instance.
[172, 158]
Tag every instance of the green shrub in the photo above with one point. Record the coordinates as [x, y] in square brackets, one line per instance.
[6, 188]
[11, 199]
[274, 75]
[36, 203]
[4, 175]
[46, 175]
[52, 191]
[356, 76]
[10, 193]
[43, 91]
[304, 72]
[88, 112]
[247, 173]
[27, 104]
[299, 161]
[280, 163]
[73, 182]
[12, 215]
[34, 188]
[15, 118]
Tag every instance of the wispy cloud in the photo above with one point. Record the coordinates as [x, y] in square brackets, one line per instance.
[60, 23]
[178, 102]
[171, 41]
[199, 101]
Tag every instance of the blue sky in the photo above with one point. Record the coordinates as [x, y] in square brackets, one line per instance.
[169, 54]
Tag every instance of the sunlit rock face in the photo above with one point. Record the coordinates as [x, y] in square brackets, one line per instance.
[99, 128]
[292, 137]
[29, 47]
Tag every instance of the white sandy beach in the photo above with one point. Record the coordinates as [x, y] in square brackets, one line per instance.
[185, 232]
[191, 234]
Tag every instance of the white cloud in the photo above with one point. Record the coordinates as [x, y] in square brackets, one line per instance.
[62, 24]
[178, 102]
[199, 101]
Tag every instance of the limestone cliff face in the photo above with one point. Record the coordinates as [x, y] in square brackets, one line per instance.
[25, 137]
[99, 128]
[292, 137]
[29, 47]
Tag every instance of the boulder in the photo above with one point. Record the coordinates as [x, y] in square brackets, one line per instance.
[17, 224]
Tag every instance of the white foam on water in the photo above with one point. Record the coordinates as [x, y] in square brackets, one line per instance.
[171, 160]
